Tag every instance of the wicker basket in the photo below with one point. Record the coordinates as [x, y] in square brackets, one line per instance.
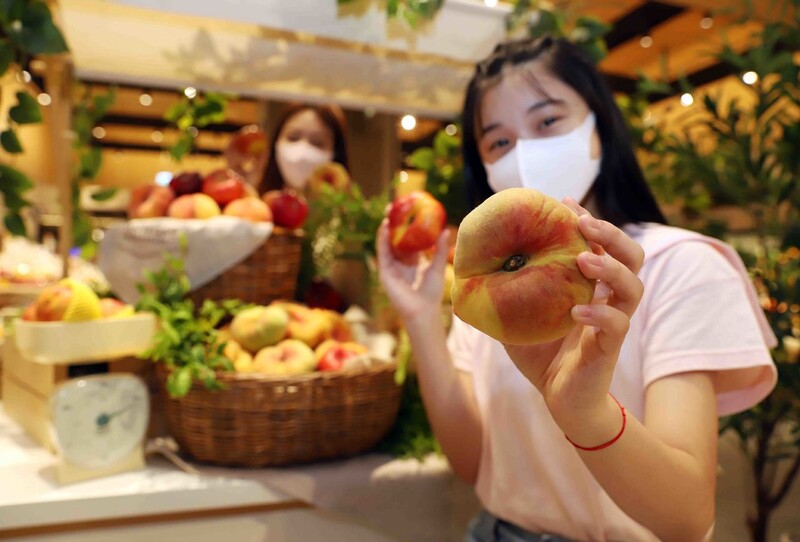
[260, 421]
[268, 274]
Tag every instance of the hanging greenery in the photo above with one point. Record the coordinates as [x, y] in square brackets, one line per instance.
[192, 112]
[26, 30]
[413, 12]
[89, 158]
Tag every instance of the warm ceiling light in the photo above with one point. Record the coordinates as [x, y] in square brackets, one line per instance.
[190, 92]
[750, 78]
[687, 100]
[44, 99]
[145, 99]
[99, 132]
[707, 21]
[408, 122]
[451, 129]
[646, 41]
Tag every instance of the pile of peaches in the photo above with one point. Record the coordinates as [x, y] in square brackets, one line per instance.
[69, 300]
[287, 338]
[223, 192]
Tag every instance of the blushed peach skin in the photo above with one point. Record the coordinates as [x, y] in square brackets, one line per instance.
[530, 301]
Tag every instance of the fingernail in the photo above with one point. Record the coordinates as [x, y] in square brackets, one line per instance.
[591, 222]
[582, 311]
[592, 259]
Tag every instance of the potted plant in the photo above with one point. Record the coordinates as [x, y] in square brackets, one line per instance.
[742, 154]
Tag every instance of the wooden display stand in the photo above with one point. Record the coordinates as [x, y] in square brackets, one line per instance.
[26, 392]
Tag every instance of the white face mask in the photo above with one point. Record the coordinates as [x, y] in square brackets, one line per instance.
[297, 160]
[557, 166]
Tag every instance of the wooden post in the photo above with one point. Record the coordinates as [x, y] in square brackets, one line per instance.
[58, 84]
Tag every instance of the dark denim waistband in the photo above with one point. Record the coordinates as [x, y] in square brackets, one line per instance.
[486, 527]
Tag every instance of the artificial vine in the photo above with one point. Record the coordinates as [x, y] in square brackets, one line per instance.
[26, 30]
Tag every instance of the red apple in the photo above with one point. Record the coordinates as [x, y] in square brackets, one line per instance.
[249, 142]
[52, 302]
[29, 314]
[321, 295]
[252, 209]
[289, 208]
[194, 206]
[188, 182]
[223, 185]
[332, 354]
[415, 222]
[150, 201]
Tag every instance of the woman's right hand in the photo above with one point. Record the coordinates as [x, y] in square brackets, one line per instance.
[414, 287]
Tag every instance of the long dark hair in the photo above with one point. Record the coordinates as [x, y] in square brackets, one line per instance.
[330, 115]
[620, 190]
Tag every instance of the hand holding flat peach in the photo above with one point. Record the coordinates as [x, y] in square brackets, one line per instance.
[574, 374]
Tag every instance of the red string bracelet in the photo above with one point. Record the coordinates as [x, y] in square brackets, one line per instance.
[610, 442]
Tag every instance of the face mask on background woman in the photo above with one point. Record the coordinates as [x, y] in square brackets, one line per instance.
[558, 166]
[297, 160]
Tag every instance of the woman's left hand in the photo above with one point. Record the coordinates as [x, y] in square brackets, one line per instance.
[575, 383]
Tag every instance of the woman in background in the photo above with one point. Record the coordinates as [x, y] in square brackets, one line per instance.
[306, 137]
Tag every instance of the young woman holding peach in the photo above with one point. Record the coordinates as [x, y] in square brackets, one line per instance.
[673, 338]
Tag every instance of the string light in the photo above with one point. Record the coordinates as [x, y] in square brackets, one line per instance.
[750, 78]
[451, 129]
[404, 176]
[145, 99]
[193, 131]
[99, 132]
[190, 92]
[490, 3]
[707, 21]
[157, 136]
[44, 99]
[646, 41]
[687, 99]
[408, 122]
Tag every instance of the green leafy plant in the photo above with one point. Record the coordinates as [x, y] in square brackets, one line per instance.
[192, 112]
[89, 158]
[341, 225]
[413, 12]
[26, 30]
[188, 340]
[538, 18]
[742, 154]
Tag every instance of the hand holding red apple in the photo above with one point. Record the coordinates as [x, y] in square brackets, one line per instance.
[415, 222]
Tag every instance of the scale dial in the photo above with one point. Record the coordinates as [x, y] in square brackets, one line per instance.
[101, 419]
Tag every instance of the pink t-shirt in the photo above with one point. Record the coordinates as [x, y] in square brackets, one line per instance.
[699, 312]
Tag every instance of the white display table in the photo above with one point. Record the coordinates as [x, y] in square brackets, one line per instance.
[353, 499]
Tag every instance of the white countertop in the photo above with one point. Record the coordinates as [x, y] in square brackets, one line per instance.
[375, 491]
[30, 495]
